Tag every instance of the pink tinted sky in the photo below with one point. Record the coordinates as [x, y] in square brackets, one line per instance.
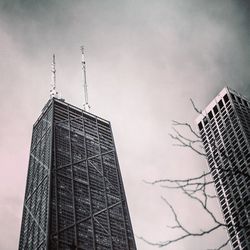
[145, 60]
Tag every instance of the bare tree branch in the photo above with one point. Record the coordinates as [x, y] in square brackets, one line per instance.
[186, 232]
[188, 144]
[221, 246]
[185, 124]
[198, 188]
[204, 206]
[194, 107]
[196, 178]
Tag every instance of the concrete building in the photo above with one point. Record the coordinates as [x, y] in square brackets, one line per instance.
[225, 130]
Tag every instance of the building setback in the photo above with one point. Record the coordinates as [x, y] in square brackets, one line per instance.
[74, 196]
[225, 131]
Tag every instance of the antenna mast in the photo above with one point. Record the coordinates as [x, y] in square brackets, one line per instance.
[86, 106]
[52, 91]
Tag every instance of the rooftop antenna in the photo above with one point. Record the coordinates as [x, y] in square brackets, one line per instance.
[86, 106]
[52, 91]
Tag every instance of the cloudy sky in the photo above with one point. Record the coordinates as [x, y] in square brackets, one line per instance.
[145, 59]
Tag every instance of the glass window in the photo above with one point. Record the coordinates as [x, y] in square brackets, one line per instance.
[220, 104]
[226, 99]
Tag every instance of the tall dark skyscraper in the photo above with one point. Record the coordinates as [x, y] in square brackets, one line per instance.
[74, 195]
[225, 130]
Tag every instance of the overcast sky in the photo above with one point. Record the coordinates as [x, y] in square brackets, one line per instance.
[145, 59]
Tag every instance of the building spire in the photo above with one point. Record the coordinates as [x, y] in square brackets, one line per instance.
[86, 106]
[53, 92]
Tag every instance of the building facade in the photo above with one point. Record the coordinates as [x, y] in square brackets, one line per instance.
[74, 196]
[225, 131]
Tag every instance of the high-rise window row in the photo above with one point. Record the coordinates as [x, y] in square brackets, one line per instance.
[225, 131]
[74, 196]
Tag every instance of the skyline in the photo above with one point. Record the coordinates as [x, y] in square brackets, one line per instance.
[144, 61]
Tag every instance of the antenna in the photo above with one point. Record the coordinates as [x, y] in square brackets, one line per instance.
[86, 106]
[52, 91]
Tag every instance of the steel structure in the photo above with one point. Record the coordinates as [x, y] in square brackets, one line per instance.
[225, 130]
[74, 195]
[86, 106]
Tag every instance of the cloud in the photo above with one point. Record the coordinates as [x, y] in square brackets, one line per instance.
[145, 59]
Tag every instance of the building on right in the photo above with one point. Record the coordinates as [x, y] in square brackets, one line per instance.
[224, 127]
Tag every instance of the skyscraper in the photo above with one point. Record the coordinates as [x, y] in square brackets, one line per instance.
[225, 131]
[74, 196]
